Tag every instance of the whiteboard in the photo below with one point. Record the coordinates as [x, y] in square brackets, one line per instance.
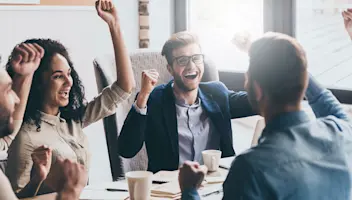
[19, 1]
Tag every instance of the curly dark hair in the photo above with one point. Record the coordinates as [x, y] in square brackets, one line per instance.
[77, 103]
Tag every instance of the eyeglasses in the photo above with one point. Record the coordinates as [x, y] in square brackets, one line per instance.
[184, 60]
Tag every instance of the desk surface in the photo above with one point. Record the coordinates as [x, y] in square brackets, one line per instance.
[53, 196]
[98, 191]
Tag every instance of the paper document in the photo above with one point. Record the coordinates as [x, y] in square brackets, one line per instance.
[171, 188]
[217, 177]
[226, 162]
[165, 176]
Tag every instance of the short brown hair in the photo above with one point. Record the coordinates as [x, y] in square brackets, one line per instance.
[178, 40]
[278, 64]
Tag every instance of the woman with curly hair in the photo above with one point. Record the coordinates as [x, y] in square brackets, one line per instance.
[57, 112]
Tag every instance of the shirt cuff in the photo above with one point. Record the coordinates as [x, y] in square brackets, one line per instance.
[119, 91]
[314, 89]
[142, 111]
[190, 194]
[3, 145]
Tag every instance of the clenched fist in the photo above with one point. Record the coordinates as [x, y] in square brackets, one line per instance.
[75, 177]
[107, 11]
[191, 175]
[26, 58]
[243, 41]
[41, 162]
[67, 177]
[149, 80]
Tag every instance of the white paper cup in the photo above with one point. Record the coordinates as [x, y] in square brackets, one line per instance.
[139, 184]
[211, 159]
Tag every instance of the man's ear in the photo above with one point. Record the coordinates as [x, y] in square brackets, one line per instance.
[169, 68]
[258, 91]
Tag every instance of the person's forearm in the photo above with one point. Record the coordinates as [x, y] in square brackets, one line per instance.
[68, 195]
[314, 90]
[142, 100]
[10, 135]
[5, 143]
[21, 85]
[350, 36]
[240, 105]
[124, 71]
[323, 102]
[132, 134]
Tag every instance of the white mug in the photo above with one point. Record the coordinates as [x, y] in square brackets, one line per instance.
[211, 159]
[139, 184]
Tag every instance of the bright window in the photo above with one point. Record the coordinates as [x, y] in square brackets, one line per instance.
[320, 29]
[217, 21]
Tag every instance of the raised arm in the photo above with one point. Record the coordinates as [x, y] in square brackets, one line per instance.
[132, 134]
[347, 19]
[238, 102]
[106, 102]
[24, 61]
[323, 102]
[107, 11]
[149, 80]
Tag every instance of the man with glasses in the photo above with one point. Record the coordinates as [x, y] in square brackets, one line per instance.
[179, 120]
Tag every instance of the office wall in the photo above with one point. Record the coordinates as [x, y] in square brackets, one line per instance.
[86, 36]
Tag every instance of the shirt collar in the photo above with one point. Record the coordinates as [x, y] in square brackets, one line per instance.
[182, 102]
[51, 119]
[283, 121]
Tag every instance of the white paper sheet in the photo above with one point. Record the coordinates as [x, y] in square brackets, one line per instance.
[226, 162]
[165, 176]
[20, 1]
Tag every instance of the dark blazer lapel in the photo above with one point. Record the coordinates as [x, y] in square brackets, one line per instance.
[219, 121]
[209, 104]
[169, 113]
[212, 109]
